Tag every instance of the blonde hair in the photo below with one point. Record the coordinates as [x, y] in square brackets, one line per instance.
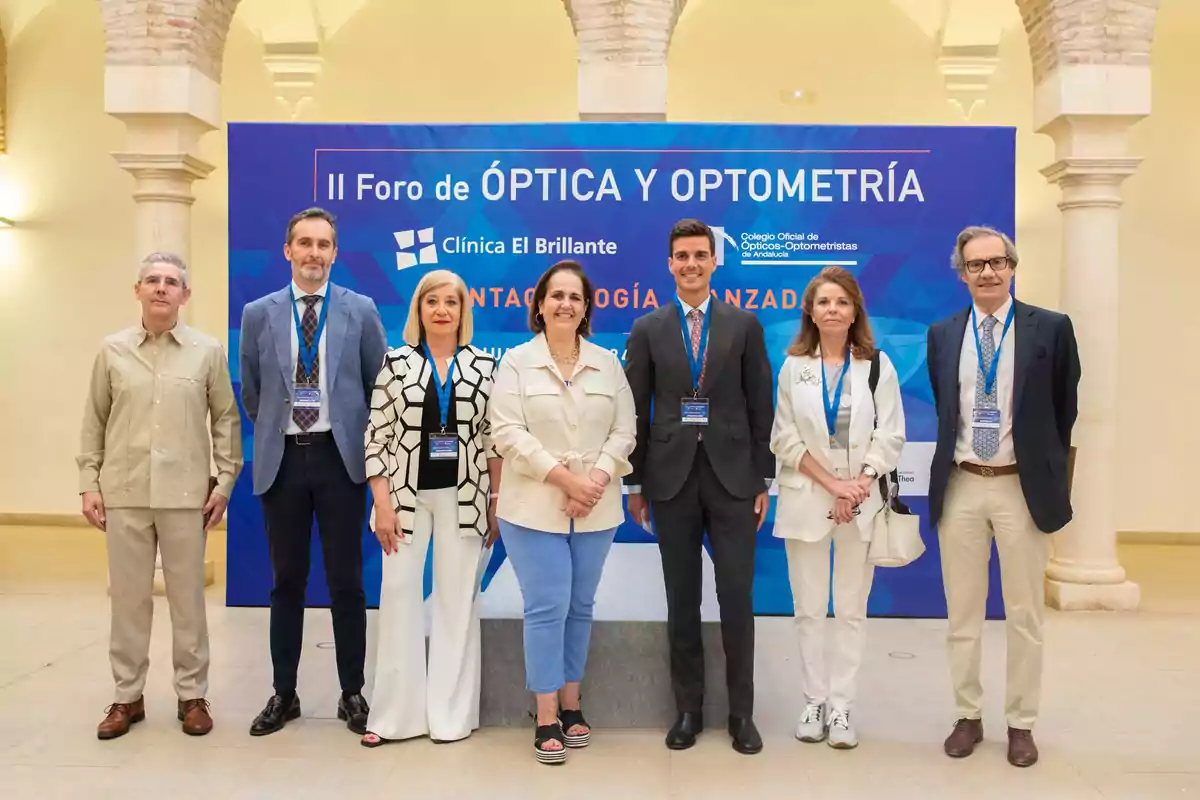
[413, 330]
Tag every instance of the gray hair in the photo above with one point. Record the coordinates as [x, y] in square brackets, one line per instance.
[975, 232]
[163, 258]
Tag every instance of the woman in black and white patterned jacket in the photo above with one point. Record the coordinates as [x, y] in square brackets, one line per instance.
[431, 466]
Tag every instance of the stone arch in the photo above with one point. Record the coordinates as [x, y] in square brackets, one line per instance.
[171, 33]
[1070, 32]
[622, 50]
[624, 31]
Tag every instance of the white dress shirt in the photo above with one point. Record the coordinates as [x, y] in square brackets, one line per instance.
[968, 373]
[322, 423]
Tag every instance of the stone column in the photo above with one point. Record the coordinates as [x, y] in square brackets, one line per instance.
[166, 109]
[162, 190]
[1088, 111]
[623, 57]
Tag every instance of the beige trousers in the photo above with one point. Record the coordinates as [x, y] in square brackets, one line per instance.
[976, 509]
[134, 536]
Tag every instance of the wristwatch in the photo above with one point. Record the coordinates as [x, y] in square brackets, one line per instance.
[870, 472]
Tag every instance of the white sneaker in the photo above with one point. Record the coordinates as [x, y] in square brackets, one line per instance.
[812, 723]
[841, 732]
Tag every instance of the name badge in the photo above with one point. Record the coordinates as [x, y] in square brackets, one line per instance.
[308, 397]
[443, 447]
[694, 411]
[986, 418]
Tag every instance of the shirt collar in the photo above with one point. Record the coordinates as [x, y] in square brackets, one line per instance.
[299, 293]
[140, 333]
[1000, 314]
[687, 309]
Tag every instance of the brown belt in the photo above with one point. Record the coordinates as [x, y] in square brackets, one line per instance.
[986, 471]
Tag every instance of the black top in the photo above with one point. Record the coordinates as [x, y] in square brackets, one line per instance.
[436, 474]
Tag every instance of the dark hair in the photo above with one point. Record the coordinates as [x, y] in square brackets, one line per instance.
[536, 323]
[862, 343]
[691, 227]
[311, 213]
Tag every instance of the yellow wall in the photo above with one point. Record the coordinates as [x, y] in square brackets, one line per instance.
[65, 273]
[1160, 281]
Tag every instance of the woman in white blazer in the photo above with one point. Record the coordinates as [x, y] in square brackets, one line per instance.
[563, 421]
[431, 466]
[833, 439]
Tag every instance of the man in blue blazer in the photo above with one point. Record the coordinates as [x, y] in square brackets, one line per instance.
[310, 354]
[1005, 379]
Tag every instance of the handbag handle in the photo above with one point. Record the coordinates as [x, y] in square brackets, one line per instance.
[890, 499]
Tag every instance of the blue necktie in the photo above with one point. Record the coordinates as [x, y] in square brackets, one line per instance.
[986, 441]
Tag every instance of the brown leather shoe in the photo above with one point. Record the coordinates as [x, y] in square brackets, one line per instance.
[962, 740]
[1022, 752]
[119, 716]
[195, 717]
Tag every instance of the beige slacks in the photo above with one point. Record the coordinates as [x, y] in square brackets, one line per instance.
[976, 509]
[134, 536]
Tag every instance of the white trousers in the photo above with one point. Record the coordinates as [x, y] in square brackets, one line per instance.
[976, 509]
[405, 702]
[808, 571]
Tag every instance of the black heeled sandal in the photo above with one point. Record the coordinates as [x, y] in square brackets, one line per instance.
[568, 720]
[543, 734]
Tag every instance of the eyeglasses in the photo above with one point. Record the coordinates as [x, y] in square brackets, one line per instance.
[998, 264]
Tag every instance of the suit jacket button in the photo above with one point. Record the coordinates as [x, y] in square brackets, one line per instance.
[283, 430]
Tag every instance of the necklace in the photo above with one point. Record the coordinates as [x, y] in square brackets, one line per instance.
[559, 357]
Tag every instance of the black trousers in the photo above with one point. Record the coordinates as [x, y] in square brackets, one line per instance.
[313, 479]
[680, 523]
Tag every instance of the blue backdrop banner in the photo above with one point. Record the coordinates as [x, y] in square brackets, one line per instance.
[498, 204]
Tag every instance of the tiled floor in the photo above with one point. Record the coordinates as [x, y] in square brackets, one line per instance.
[1121, 696]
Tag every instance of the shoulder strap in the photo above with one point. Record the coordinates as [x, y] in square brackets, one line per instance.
[873, 383]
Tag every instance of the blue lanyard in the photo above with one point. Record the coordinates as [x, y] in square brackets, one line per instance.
[989, 375]
[445, 388]
[831, 409]
[696, 361]
[308, 355]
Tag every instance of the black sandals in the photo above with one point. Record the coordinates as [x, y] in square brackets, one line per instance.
[542, 735]
[568, 720]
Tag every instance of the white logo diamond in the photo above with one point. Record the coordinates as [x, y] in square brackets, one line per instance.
[405, 240]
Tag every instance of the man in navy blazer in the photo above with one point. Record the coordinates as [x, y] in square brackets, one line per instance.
[310, 354]
[1005, 379]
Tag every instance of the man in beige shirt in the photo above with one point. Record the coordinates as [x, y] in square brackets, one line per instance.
[158, 391]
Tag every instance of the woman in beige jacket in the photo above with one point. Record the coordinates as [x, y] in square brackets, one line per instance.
[563, 422]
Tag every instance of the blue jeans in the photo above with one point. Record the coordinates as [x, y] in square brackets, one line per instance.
[558, 574]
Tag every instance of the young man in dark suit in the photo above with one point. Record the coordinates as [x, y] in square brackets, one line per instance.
[703, 463]
[1005, 377]
[310, 353]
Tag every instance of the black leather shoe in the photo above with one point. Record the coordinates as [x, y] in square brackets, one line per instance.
[745, 735]
[277, 714]
[354, 710]
[683, 733]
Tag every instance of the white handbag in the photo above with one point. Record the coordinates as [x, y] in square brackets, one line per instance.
[895, 532]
